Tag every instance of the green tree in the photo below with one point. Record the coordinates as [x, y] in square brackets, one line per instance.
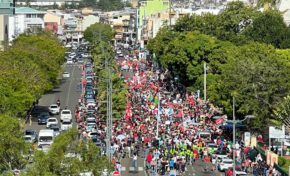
[270, 28]
[184, 54]
[88, 3]
[100, 35]
[28, 69]
[110, 5]
[257, 77]
[99, 30]
[69, 156]
[225, 26]
[282, 111]
[12, 144]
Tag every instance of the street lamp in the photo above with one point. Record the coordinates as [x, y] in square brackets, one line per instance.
[234, 134]
[205, 68]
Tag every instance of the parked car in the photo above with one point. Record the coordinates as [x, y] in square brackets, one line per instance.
[54, 109]
[30, 136]
[42, 118]
[51, 121]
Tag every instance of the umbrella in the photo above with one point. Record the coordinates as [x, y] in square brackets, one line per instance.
[121, 137]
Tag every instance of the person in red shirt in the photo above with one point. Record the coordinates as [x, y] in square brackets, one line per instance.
[149, 160]
[229, 172]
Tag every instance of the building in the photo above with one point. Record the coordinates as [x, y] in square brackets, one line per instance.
[146, 9]
[134, 3]
[25, 19]
[154, 22]
[46, 3]
[124, 23]
[284, 7]
[89, 20]
[53, 21]
[3, 31]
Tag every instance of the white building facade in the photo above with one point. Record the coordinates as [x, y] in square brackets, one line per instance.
[25, 20]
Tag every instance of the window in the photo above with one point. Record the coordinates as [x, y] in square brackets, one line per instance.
[34, 27]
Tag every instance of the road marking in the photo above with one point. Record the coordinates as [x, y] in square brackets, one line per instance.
[68, 91]
[123, 169]
[133, 169]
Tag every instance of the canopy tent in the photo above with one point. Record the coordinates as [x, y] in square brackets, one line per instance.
[229, 126]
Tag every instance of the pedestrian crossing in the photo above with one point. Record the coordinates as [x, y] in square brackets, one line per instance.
[131, 169]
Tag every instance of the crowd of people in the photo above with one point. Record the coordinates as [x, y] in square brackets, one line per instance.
[167, 126]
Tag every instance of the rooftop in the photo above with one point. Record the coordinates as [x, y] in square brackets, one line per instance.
[27, 10]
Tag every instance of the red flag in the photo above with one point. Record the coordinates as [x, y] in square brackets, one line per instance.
[219, 120]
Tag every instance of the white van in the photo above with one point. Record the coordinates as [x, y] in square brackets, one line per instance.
[45, 137]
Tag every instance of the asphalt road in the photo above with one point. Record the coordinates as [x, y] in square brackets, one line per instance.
[67, 92]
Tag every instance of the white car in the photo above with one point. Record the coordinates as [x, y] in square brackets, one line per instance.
[69, 61]
[85, 55]
[51, 121]
[225, 164]
[72, 55]
[54, 109]
[65, 115]
[219, 158]
[66, 75]
[65, 125]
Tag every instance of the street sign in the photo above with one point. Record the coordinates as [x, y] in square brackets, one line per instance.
[247, 138]
[6, 7]
[276, 133]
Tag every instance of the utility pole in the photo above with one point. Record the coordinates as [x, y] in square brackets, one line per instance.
[204, 81]
[170, 14]
[234, 137]
[108, 100]
[158, 116]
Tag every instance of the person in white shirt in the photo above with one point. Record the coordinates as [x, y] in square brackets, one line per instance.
[134, 161]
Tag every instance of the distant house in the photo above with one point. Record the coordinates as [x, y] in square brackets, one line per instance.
[284, 7]
[53, 21]
[46, 3]
[25, 19]
[3, 30]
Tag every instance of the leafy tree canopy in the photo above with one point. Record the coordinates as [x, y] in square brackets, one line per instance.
[69, 156]
[270, 28]
[99, 31]
[12, 144]
[100, 35]
[240, 24]
[27, 70]
[255, 73]
[110, 5]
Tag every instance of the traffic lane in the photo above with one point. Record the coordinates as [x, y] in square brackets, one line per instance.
[128, 170]
[197, 168]
[67, 92]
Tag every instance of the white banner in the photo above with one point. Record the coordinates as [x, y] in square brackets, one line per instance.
[276, 133]
[247, 139]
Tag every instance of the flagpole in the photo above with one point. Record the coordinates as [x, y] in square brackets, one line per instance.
[158, 116]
